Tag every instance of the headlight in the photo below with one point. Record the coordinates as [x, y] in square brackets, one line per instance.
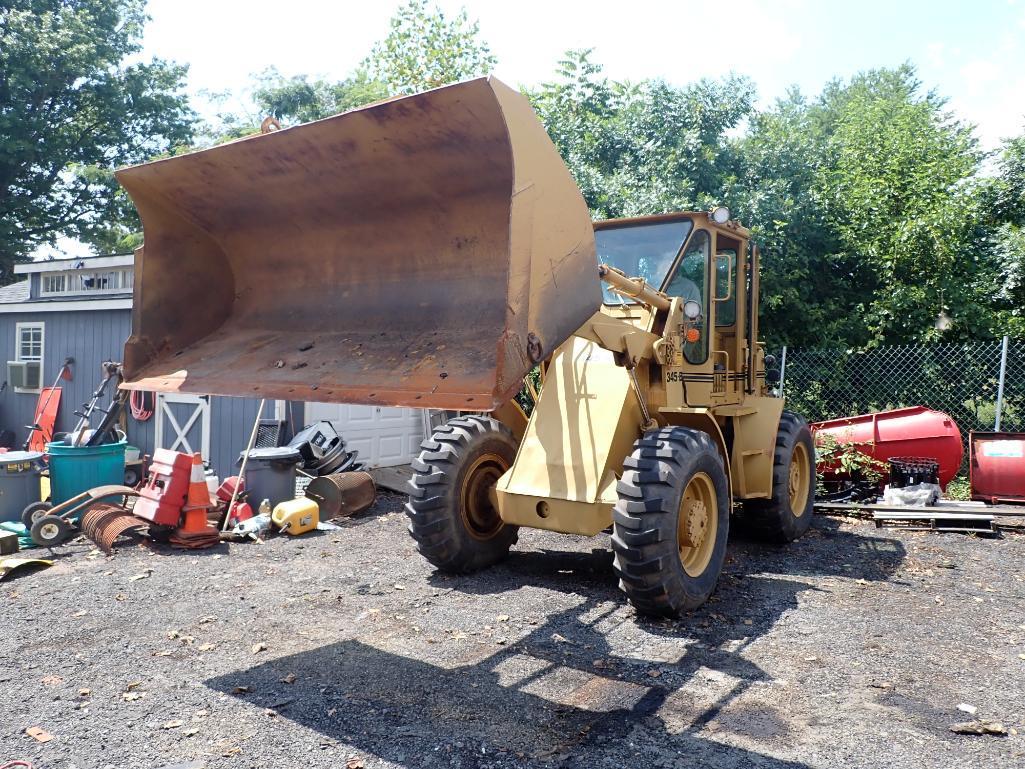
[720, 214]
[692, 309]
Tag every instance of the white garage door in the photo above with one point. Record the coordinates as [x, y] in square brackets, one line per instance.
[383, 436]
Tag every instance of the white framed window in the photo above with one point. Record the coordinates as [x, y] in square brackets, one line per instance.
[77, 282]
[29, 344]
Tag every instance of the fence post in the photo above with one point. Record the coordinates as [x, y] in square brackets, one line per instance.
[783, 369]
[1000, 384]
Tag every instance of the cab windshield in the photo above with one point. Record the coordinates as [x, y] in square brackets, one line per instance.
[644, 250]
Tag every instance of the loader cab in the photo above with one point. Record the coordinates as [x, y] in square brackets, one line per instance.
[708, 266]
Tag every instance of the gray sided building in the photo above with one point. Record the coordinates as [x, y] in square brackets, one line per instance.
[82, 309]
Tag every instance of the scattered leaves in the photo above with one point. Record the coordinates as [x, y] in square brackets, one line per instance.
[289, 679]
[259, 647]
[206, 647]
[173, 724]
[52, 680]
[143, 575]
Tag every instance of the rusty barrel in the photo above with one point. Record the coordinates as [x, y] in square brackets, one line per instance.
[342, 494]
[425, 251]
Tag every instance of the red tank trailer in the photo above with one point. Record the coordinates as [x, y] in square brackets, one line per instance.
[909, 432]
[997, 467]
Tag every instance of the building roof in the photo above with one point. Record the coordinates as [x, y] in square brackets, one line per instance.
[75, 263]
[16, 292]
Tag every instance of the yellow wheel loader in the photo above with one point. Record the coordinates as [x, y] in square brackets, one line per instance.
[433, 251]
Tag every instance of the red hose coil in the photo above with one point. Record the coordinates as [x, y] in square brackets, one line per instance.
[137, 402]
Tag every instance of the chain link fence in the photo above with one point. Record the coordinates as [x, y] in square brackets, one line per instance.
[980, 384]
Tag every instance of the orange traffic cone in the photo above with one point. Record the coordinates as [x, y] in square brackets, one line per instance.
[198, 500]
[195, 531]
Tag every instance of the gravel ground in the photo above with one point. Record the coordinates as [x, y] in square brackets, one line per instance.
[850, 648]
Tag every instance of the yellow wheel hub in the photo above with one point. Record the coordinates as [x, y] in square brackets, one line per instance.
[698, 524]
[800, 479]
[476, 505]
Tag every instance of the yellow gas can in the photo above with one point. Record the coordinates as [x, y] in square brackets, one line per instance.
[296, 516]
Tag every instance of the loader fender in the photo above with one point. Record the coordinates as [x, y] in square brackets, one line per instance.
[706, 423]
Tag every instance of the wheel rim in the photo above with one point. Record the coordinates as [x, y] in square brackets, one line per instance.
[698, 524]
[800, 470]
[476, 507]
[49, 531]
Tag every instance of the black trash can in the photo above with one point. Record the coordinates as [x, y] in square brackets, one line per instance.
[19, 482]
[270, 474]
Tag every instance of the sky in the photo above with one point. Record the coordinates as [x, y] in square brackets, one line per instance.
[971, 52]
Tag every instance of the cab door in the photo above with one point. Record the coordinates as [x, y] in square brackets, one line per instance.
[729, 299]
[692, 364]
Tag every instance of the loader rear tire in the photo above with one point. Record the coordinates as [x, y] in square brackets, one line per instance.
[451, 514]
[787, 515]
[671, 522]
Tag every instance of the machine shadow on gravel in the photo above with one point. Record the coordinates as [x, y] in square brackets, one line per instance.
[561, 691]
[826, 550]
[539, 699]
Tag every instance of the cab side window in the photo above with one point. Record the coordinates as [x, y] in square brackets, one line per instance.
[690, 282]
[725, 269]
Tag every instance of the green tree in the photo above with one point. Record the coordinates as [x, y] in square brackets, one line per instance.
[425, 49]
[867, 203]
[1005, 205]
[72, 108]
[640, 148]
[300, 100]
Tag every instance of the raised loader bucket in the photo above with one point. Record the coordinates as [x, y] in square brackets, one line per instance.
[425, 251]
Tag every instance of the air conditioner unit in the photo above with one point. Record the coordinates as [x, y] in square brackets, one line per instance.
[24, 374]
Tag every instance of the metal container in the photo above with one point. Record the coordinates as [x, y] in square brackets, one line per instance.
[997, 462]
[342, 493]
[915, 431]
[19, 482]
[270, 474]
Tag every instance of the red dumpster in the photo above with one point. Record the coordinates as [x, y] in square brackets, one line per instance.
[997, 467]
[915, 431]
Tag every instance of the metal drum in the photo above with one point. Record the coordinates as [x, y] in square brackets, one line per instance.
[342, 494]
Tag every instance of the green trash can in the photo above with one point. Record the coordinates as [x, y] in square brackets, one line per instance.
[76, 469]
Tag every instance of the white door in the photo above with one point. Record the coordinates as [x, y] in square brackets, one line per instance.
[183, 423]
[384, 436]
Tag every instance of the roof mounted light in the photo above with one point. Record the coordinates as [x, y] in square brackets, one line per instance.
[720, 214]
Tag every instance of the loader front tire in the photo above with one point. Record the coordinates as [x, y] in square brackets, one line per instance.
[451, 510]
[786, 515]
[671, 522]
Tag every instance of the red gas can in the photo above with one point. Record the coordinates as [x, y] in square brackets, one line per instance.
[163, 494]
[909, 432]
[998, 467]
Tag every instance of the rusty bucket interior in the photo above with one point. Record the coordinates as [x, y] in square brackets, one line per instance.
[425, 251]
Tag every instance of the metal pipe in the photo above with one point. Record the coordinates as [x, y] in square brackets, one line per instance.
[635, 288]
[242, 469]
[782, 369]
[1000, 384]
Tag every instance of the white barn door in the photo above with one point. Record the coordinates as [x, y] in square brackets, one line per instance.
[183, 423]
[384, 436]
